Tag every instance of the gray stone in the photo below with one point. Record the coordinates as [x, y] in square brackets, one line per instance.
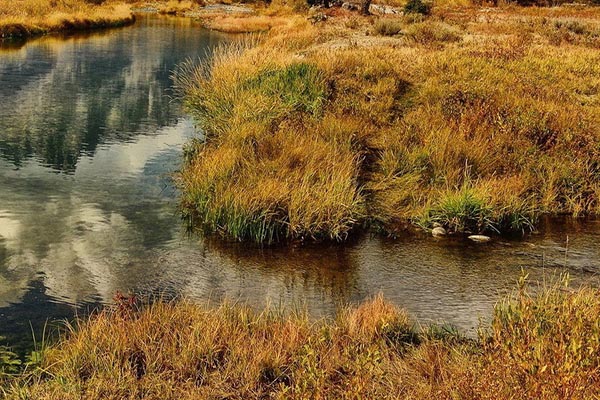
[438, 231]
[379, 9]
[480, 238]
[350, 6]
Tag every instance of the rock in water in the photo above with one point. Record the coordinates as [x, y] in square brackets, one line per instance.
[480, 238]
[438, 231]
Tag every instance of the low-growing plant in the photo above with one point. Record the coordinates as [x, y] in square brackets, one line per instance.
[10, 363]
[387, 26]
[417, 7]
[432, 32]
[352, 23]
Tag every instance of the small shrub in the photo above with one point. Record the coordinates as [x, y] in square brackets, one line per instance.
[388, 27]
[417, 7]
[294, 5]
[413, 18]
[433, 32]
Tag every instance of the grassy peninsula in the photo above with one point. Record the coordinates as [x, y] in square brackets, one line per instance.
[539, 346]
[475, 118]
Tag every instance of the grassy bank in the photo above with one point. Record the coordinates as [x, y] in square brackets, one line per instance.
[476, 119]
[24, 18]
[542, 346]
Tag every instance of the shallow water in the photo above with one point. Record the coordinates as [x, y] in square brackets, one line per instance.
[88, 138]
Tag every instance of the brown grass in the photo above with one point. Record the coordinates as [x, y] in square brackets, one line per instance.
[178, 6]
[244, 23]
[22, 18]
[539, 346]
[480, 120]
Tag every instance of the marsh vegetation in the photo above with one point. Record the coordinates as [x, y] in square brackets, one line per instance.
[540, 345]
[478, 119]
[24, 18]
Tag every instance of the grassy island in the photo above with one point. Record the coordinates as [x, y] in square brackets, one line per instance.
[475, 118]
[542, 346]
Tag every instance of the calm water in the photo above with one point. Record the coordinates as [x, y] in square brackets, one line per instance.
[88, 137]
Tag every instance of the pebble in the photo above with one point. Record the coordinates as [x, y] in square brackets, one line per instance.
[480, 238]
[438, 231]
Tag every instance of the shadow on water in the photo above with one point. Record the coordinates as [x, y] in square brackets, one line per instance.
[88, 139]
[37, 314]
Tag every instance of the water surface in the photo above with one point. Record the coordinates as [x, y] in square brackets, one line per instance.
[88, 138]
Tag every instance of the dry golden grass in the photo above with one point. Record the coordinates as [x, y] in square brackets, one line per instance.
[178, 6]
[244, 23]
[539, 346]
[22, 18]
[476, 119]
[264, 177]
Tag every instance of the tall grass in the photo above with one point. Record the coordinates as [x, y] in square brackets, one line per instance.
[540, 345]
[270, 169]
[550, 341]
[398, 127]
[462, 211]
[23, 18]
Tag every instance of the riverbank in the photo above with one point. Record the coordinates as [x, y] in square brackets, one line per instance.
[538, 346]
[26, 18]
[475, 119]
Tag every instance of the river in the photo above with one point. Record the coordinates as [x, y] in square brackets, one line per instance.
[89, 136]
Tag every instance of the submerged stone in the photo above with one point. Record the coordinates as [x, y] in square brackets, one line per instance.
[480, 238]
[438, 231]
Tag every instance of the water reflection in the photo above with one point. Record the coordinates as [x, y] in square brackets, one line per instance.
[63, 98]
[88, 136]
[80, 229]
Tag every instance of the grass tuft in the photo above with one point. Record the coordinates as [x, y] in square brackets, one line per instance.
[462, 211]
[388, 27]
